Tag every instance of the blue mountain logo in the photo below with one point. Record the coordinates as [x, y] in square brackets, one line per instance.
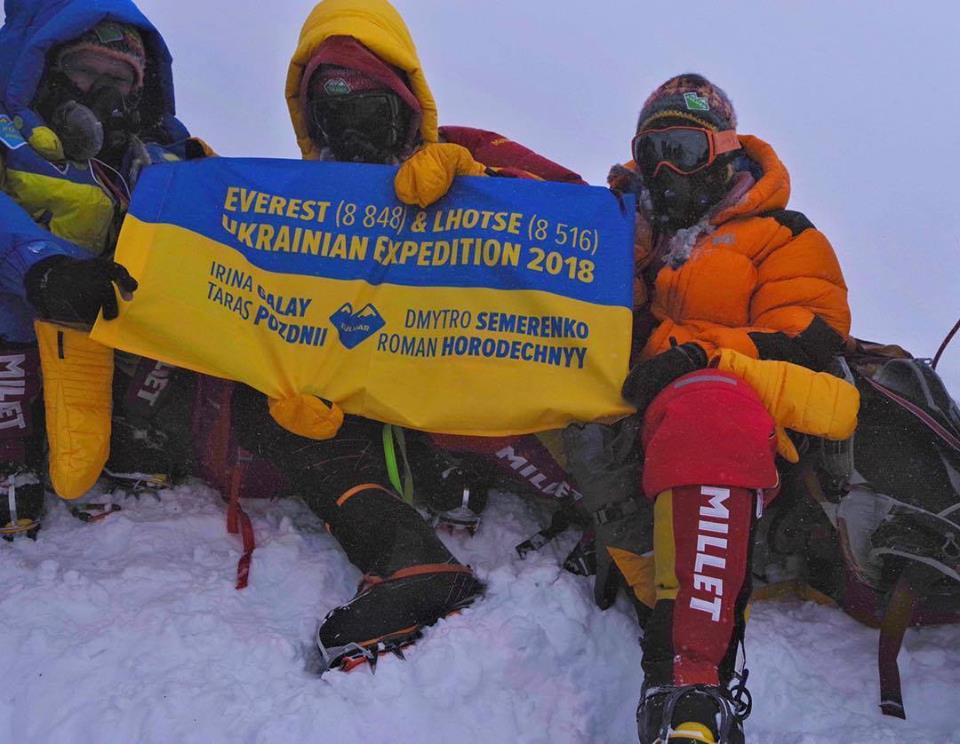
[355, 327]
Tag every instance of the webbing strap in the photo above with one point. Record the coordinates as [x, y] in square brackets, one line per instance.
[12, 501]
[928, 420]
[238, 521]
[16, 525]
[559, 523]
[894, 625]
[392, 437]
[390, 455]
[351, 492]
[422, 569]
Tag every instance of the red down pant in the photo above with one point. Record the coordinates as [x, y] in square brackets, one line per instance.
[709, 448]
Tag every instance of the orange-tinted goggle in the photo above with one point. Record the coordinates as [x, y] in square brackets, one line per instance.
[684, 150]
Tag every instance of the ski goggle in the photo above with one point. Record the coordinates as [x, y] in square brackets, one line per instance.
[376, 115]
[684, 150]
[88, 71]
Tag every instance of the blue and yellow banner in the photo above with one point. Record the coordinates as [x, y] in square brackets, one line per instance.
[505, 308]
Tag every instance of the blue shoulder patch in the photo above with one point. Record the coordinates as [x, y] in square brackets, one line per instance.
[9, 134]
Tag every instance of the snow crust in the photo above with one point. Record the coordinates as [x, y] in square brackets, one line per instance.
[131, 630]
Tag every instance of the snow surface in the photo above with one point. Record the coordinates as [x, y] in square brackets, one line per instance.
[130, 630]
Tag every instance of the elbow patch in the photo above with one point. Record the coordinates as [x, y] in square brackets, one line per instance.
[795, 222]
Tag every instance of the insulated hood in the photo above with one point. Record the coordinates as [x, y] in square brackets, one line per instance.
[378, 26]
[33, 27]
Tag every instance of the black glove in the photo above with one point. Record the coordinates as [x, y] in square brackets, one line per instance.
[604, 462]
[814, 347]
[75, 291]
[650, 377]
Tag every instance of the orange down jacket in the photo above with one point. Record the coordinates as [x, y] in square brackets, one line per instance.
[758, 273]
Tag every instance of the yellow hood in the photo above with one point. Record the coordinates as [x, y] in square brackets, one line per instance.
[378, 26]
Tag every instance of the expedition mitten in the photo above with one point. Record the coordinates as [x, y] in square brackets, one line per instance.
[649, 377]
[428, 174]
[70, 290]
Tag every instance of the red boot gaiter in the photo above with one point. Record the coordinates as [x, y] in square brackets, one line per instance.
[21, 407]
[702, 551]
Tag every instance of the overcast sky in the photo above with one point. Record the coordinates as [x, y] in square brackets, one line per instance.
[860, 99]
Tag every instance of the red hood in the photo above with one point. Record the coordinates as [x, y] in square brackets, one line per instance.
[345, 51]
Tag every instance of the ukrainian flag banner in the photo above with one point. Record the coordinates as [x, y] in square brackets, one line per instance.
[503, 309]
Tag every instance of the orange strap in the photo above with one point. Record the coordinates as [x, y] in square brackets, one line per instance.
[422, 569]
[346, 495]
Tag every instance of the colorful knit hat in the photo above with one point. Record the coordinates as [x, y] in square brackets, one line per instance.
[691, 97]
[119, 41]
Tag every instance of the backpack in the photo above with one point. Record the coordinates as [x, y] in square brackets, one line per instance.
[898, 508]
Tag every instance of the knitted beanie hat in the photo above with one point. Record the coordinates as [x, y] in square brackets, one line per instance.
[118, 41]
[691, 97]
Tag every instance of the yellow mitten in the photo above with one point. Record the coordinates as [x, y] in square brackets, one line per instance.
[307, 416]
[785, 446]
[78, 397]
[428, 174]
[47, 144]
[809, 402]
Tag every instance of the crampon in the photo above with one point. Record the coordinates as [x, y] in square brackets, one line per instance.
[21, 504]
[459, 506]
[93, 511]
[387, 615]
[353, 654]
[452, 520]
[115, 484]
[135, 483]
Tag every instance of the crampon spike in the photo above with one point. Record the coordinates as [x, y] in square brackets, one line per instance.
[350, 658]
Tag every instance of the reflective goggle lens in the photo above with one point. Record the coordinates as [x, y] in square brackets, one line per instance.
[373, 114]
[685, 148]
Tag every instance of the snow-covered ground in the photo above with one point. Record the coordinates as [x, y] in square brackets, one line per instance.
[131, 631]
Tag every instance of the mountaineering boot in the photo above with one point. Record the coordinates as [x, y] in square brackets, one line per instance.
[142, 457]
[153, 404]
[456, 498]
[410, 579]
[21, 501]
[451, 487]
[692, 713]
